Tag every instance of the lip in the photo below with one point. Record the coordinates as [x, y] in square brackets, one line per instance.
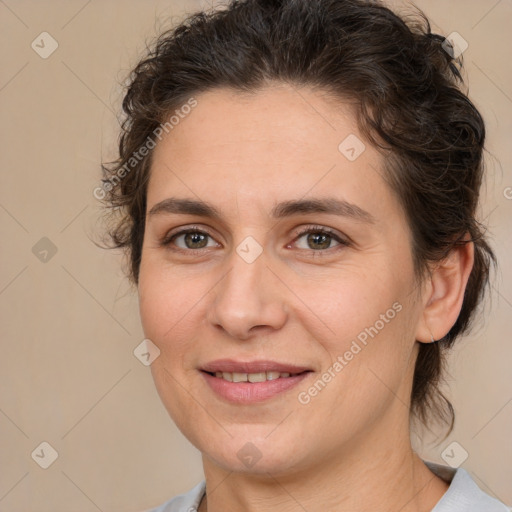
[251, 392]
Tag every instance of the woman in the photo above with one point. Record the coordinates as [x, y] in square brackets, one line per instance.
[297, 187]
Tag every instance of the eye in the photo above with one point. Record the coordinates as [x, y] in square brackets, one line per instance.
[193, 239]
[318, 238]
[189, 240]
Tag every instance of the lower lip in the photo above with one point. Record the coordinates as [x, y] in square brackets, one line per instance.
[252, 392]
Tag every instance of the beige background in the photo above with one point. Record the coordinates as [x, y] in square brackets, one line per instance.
[69, 325]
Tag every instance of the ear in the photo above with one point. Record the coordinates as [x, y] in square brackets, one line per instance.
[444, 292]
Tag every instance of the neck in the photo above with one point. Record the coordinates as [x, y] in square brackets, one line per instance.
[376, 472]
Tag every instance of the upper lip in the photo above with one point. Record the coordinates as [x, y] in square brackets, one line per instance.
[232, 366]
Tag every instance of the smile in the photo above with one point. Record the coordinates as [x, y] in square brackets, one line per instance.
[251, 382]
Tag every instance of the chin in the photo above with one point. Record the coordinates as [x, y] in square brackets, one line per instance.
[252, 461]
[253, 454]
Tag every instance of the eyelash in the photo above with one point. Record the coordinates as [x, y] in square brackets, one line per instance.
[168, 239]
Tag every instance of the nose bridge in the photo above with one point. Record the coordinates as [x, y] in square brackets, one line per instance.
[242, 281]
[245, 298]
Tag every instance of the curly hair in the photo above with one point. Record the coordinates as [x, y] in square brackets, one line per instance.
[407, 89]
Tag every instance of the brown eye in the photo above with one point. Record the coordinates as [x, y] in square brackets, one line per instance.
[195, 240]
[189, 240]
[319, 239]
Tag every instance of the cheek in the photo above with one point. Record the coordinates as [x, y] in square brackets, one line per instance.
[167, 319]
[165, 311]
[370, 336]
[355, 304]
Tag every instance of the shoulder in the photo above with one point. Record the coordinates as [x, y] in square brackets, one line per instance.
[187, 502]
[463, 495]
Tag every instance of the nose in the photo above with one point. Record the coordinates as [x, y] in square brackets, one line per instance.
[249, 300]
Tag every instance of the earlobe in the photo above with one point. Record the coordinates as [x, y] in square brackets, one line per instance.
[448, 280]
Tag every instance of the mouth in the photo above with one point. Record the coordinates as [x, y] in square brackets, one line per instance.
[250, 382]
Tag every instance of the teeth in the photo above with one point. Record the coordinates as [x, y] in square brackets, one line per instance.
[251, 377]
[239, 377]
[257, 377]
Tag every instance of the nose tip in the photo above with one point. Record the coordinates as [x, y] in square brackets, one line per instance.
[242, 330]
[247, 301]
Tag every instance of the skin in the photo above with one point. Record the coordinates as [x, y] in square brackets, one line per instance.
[297, 303]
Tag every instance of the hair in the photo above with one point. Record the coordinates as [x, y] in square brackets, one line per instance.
[406, 87]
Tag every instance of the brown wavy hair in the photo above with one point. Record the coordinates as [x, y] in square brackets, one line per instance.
[406, 87]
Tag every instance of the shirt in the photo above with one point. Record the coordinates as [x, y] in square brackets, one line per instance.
[463, 495]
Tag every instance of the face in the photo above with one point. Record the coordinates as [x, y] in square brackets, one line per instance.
[281, 294]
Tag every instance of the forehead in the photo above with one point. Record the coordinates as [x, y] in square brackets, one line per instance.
[280, 141]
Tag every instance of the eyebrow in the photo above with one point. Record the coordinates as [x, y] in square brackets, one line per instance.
[284, 209]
